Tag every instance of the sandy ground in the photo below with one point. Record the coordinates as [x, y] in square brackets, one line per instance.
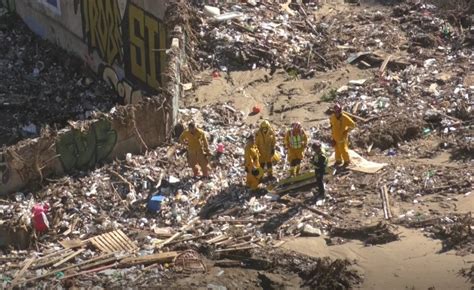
[415, 261]
[411, 263]
[282, 100]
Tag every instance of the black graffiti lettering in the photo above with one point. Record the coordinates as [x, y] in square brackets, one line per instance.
[101, 27]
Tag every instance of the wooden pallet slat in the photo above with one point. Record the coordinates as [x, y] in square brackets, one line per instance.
[112, 242]
[99, 245]
[123, 243]
[104, 244]
[127, 239]
[108, 244]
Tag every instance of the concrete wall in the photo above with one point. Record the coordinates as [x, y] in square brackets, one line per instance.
[124, 41]
[130, 57]
[132, 128]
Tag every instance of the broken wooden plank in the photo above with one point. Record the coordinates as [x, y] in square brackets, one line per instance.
[90, 271]
[225, 241]
[254, 221]
[239, 245]
[279, 244]
[299, 202]
[163, 232]
[104, 258]
[385, 202]
[71, 244]
[216, 239]
[19, 274]
[52, 254]
[50, 260]
[71, 227]
[190, 239]
[237, 249]
[384, 64]
[148, 259]
[68, 258]
[181, 232]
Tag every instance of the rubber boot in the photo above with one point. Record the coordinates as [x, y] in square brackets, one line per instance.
[292, 171]
[195, 171]
[205, 172]
[270, 173]
[298, 167]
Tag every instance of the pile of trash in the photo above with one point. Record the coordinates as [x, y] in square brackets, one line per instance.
[145, 219]
[267, 35]
[148, 209]
[42, 85]
[455, 231]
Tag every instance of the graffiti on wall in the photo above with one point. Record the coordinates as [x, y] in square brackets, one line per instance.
[82, 150]
[121, 86]
[101, 28]
[146, 53]
[130, 41]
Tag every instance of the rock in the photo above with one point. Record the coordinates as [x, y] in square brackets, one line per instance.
[311, 231]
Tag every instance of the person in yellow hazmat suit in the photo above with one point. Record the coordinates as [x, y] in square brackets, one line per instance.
[198, 149]
[341, 125]
[296, 141]
[265, 141]
[252, 163]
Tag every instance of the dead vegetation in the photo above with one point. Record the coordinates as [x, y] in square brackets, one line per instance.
[320, 273]
[468, 274]
[456, 233]
[218, 218]
[381, 233]
[389, 132]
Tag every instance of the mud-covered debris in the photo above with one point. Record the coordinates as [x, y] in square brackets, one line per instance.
[468, 274]
[322, 273]
[456, 232]
[389, 132]
[381, 233]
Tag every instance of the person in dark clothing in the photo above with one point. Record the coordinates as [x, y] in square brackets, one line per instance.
[320, 163]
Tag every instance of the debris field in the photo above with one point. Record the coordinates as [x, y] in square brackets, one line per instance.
[146, 221]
